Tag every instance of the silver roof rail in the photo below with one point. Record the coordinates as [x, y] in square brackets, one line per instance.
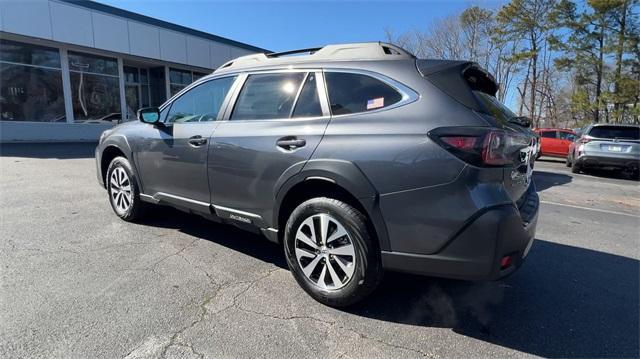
[355, 51]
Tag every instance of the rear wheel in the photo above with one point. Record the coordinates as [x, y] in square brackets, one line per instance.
[575, 167]
[331, 253]
[122, 187]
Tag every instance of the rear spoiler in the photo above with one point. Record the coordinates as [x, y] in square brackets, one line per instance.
[458, 79]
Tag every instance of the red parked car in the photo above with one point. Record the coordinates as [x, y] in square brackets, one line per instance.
[555, 142]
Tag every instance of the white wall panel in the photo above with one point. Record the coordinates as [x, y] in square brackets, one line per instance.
[29, 18]
[198, 53]
[219, 54]
[237, 52]
[110, 33]
[144, 40]
[71, 24]
[173, 46]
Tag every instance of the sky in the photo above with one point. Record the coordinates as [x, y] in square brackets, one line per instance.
[287, 25]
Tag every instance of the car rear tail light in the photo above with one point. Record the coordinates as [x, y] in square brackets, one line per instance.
[460, 142]
[585, 139]
[481, 146]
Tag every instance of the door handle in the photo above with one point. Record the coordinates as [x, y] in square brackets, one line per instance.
[197, 141]
[291, 143]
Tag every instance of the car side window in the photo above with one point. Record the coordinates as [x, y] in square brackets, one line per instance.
[568, 136]
[267, 96]
[308, 104]
[352, 93]
[548, 134]
[201, 103]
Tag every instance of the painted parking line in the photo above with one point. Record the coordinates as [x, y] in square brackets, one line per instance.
[590, 209]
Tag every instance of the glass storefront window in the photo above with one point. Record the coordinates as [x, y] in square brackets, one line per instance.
[30, 83]
[198, 75]
[16, 52]
[94, 88]
[93, 63]
[179, 79]
[136, 89]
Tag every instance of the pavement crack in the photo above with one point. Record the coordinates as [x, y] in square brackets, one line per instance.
[334, 324]
[204, 312]
[251, 284]
[174, 340]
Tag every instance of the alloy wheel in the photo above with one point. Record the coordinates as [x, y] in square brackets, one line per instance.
[325, 252]
[120, 190]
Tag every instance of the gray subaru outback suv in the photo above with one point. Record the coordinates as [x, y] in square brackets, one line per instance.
[356, 158]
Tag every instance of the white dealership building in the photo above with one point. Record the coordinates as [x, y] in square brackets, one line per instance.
[70, 69]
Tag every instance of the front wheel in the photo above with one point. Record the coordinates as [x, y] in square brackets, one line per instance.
[331, 253]
[122, 187]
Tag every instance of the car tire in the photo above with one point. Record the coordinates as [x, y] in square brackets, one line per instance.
[575, 167]
[123, 191]
[568, 161]
[341, 267]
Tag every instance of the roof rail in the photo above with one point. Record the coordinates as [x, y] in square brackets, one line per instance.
[293, 52]
[354, 51]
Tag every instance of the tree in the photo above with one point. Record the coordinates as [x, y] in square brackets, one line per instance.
[477, 26]
[622, 26]
[468, 36]
[528, 21]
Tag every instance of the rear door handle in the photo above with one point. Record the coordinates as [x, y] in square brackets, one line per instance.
[291, 143]
[197, 141]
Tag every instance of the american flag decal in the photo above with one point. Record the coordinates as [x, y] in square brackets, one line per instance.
[375, 103]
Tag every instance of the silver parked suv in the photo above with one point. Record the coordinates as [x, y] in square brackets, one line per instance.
[355, 157]
[606, 146]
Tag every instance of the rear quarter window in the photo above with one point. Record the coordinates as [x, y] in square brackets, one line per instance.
[353, 93]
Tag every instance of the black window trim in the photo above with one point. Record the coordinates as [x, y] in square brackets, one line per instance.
[167, 105]
[407, 93]
[320, 85]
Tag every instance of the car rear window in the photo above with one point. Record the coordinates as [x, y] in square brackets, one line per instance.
[500, 112]
[627, 133]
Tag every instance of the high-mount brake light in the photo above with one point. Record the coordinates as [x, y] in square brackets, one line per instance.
[482, 146]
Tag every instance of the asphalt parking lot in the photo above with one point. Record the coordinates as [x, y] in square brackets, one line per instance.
[78, 282]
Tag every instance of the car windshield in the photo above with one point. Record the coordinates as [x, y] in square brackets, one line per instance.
[627, 133]
[501, 112]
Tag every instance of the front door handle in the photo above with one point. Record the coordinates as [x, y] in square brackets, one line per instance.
[291, 143]
[197, 141]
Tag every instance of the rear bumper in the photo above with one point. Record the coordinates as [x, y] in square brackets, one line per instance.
[476, 252]
[597, 160]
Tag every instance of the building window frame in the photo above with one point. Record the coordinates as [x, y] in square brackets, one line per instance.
[45, 67]
[192, 74]
[119, 75]
[63, 50]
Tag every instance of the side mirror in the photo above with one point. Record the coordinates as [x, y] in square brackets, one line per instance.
[149, 115]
